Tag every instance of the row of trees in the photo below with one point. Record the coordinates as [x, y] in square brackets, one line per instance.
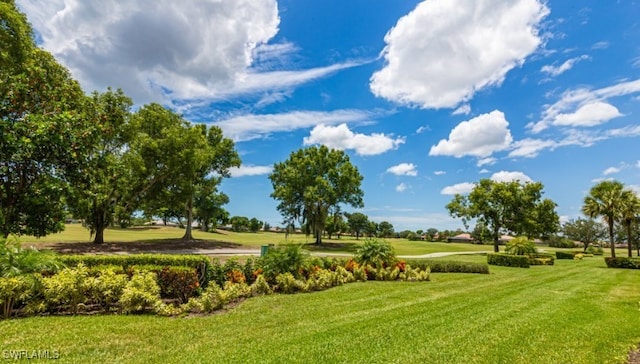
[64, 151]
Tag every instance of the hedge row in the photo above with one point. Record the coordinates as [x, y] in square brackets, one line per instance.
[541, 259]
[508, 260]
[449, 266]
[203, 264]
[623, 262]
[564, 255]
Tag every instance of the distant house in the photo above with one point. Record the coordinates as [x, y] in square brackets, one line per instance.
[461, 238]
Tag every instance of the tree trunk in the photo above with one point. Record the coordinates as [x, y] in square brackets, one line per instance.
[99, 239]
[187, 231]
[629, 248]
[611, 242]
[99, 225]
[496, 241]
[318, 238]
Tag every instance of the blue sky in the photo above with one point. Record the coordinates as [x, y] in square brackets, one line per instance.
[425, 97]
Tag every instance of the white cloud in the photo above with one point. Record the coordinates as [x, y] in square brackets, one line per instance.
[422, 129]
[249, 170]
[462, 110]
[572, 101]
[590, 114]
[401, 187]
[483, 171]
[635, 189]
[611, 170]
[504, 176]
[252, 126]
[600, 45]
[489, 161]
[530, 148]
[439, 173]
[638, 164]
[564, 67]
[479, 137]
[403, 169]
[340, 137]
[166, 50]
[444, 51]
[459, 188]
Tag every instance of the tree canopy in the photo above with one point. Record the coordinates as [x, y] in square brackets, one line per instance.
[587, 231]
[512, 207]
[312, 184]
[606, 200]
[44, 134]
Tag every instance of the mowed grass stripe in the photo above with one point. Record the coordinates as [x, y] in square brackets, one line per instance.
[574, 312]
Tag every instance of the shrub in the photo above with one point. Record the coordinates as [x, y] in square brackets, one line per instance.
[595, 250]
[561, 242]
[261, 286]
[415, 274]
[541, 259]
[16, 261]
[141, 293]
[564, 255]
[287, 283]
[210, 300]
[520, 246]
[203, 264]
[13, 290]
[623, 262]
[69, 288]
[282, 259]
[508, 260]
[449, 266]
[105, 286]
[234, 291]
[376, 253]
[177, 282]
[360, 274]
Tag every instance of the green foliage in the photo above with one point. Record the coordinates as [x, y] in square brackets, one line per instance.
[261, 286]
[12, 290]
[520, 246]
[281, 259]
[287, 283]
[511, 206]
[508, 260]
[203, 265]
[560, 242]
[15, 260]
[606, 199]
[595, 250]
[177, 282]
[376, 253]
[105, 286]
[449, 266]
[312, 184]
[44, 133]
[587, 231]
[564, 255]
[357, 222]
[141, 293]
[620, 262]
[69, 289]
[541, 259]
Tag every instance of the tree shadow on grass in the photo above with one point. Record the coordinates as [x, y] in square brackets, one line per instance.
[141, 246]
[332, 247]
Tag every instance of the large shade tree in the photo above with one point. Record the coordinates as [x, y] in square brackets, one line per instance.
[606, 200]
[587, 231]
[358, 222]
[44, 134]
[104, 179]
[312, 184]
[513, 207]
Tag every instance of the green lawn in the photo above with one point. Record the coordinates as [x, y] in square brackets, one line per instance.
[75, 233]
[573, 312]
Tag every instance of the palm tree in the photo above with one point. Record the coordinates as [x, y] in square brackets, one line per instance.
[606, 199]
[629, 214]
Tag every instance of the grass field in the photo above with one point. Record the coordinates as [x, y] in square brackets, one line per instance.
[75, 233]
[573, 312]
